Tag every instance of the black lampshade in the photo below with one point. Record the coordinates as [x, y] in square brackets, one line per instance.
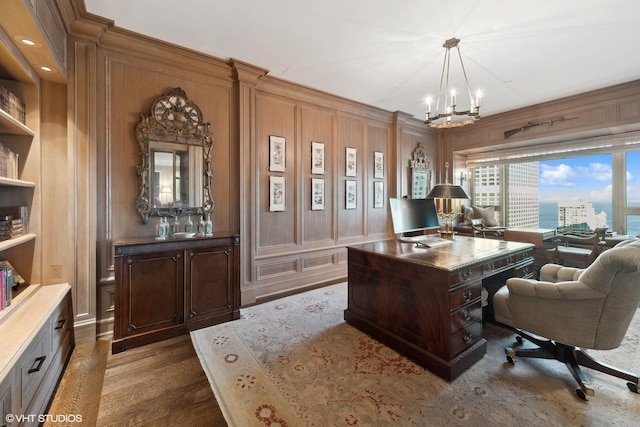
[447, 191]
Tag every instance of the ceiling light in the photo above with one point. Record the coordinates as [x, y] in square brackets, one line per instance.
[45, 68]
[446, 115]
[27, 42]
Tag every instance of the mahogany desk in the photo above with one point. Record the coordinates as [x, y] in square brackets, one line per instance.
[426, 303]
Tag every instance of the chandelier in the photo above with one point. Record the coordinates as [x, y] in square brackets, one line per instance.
[449, 116]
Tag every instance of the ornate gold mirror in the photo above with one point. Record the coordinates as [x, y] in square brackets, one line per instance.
[175, 159]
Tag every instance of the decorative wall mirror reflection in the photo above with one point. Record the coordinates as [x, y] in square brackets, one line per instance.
[175, 159]
[420, 173]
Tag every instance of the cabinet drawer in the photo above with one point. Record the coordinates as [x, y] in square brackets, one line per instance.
[5, 399]
[465, 337]
[464, 295]
[33, 367]
[60, 324]
[466, 315]
[465, 275]
[524, 271]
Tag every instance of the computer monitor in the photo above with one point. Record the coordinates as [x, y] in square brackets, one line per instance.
[413, 215]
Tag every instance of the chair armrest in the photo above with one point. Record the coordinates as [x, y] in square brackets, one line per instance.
[559, 273]
[570, 290]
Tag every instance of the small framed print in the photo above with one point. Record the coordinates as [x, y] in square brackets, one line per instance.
[350, 194]
[350, 167]
[378, 194]
[276, 193]
[277, 153]
[378, 164]
[317, 158]
[317, 194]
[419, 184]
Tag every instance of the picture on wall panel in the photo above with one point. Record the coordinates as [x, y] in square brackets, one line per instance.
[277, 153]
[317, 158]
[317, 194]
[350, 168]
[378, 164]
[276, 193]
[350, 194]
[378, 194]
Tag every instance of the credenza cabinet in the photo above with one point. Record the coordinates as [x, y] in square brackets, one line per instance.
[165, 288]
[37, 341]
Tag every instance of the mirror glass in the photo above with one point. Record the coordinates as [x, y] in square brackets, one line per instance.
[175, 148]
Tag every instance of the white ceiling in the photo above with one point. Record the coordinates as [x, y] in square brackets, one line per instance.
[389, 53]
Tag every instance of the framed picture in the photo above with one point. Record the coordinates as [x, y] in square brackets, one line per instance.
[419, 184]
[378, 194]
[350, 168]
[317, 158]
[350, 194]
[276, 193]
[317, 194]
[378, 164]
[277, 153]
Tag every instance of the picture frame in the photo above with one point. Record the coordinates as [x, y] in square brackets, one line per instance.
[350, 162]
[277, 193]
[378, 194]
[378, 164]
[317, 194]
[317, 158]
[419, 184]
[350, 194]
[277, 153]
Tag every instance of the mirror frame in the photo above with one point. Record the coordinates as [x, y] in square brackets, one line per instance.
[176, 119]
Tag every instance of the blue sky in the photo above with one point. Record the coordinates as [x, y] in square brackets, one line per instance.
[586, 178]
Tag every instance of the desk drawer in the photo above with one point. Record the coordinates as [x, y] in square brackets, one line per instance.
[466, 275]
[61, 323]
[524, 271]
[464, 295]
[465, 337]
[465, 316]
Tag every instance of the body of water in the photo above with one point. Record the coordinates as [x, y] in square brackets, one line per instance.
[548, 216]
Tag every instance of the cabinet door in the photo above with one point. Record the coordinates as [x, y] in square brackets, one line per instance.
[153, 292]
[209, 282]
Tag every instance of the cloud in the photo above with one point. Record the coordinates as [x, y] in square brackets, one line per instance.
[595, 171]
[557, 175]
[601, 195]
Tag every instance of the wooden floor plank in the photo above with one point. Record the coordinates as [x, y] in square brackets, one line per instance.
[158, 384]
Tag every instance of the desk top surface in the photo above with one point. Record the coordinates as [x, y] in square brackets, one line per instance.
[464, 251]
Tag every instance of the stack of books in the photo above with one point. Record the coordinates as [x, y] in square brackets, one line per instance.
[12, 105]
[8, 163]
[14, 221]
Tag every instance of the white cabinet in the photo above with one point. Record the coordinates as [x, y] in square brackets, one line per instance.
[37, 342]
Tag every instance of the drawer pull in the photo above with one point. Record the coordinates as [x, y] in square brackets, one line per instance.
[60, 324]
[466, 295]
[192, 314]
[466, 274]
[38, 362]
[466, 314]
[467, 338]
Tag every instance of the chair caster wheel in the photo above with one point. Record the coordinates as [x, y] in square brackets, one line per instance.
[519, 339]
[511, 355]
[633, 387]
[581, 394]
[510, 360]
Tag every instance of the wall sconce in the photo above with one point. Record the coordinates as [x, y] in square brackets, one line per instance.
[464, 177]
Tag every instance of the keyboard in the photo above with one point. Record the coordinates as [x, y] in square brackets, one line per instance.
[426, 241]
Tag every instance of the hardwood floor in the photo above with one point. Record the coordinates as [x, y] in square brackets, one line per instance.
[158, 384]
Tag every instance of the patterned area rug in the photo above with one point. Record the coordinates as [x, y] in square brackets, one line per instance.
[295, 362]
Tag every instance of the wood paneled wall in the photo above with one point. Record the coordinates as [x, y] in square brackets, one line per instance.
[115, 75]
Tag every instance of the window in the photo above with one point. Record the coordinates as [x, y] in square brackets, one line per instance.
[566, 193]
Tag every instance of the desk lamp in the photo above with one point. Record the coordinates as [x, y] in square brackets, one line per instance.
[447, 202]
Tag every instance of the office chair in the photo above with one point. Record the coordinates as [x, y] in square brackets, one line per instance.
[569, 310]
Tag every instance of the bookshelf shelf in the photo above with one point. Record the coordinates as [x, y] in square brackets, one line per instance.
[12, 126]
[6, 244]
[10, 182]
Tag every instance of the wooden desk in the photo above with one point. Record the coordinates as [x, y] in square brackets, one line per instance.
[426, 303]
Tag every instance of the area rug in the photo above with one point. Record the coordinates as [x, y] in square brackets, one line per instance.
[80, 387]
[295, 362]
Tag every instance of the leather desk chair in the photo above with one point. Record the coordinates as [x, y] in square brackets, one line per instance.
[569, 310]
